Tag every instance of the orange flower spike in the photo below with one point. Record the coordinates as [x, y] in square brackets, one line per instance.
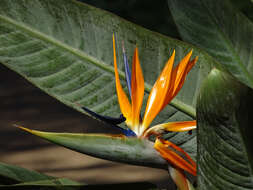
[175, 159]
[137, 88]
[191, 64]
[124, 104]
[181, 69]
[178, 77]
[180, 73]
[158, 93]
[181, 80]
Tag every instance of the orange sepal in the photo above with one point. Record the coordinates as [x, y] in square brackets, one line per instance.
[124, 104]
[181, 79]
[177, 126]
[137, 88]
[178, 76]
[164, 147]
[158, 93]
[181, 71]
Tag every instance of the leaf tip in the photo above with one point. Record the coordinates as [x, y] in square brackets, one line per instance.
[23, 128]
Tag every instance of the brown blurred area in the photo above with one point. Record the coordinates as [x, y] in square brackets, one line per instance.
[22, 103]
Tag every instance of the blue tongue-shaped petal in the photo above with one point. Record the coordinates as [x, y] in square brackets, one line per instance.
[112, 121]
[128, 132]
[127, 71]
[107, 119]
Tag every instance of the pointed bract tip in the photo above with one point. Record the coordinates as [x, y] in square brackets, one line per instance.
[22, 128]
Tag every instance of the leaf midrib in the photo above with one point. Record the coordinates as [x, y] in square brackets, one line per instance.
[185, 108]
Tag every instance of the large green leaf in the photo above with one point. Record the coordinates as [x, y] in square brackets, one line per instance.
[221, 30]
[225, 133]
[65, 48]
[10, 174]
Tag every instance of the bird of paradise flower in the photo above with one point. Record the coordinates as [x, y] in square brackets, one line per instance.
[164, 90]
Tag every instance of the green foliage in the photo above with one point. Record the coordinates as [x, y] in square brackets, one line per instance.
[224, 118]
[10, 174]
[221, 30]
[13, 174]
[225, 133]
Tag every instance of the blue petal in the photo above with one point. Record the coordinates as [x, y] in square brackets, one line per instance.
[127, 71]
[126, 132]
[107, 119]
[129, 133]
[113, 121]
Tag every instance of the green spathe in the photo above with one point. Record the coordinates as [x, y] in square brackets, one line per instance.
[111, 147]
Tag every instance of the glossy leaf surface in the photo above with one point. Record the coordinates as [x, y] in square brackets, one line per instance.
[221, 30]
[225, 133]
